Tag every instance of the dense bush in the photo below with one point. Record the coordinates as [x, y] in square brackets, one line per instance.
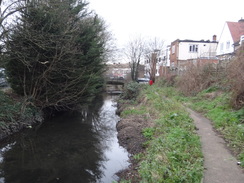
[55, 54]
[226, 76]
[236, 78]
[131, 91]
[198, 78]
[169, 80]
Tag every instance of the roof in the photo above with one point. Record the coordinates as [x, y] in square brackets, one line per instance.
[236, 29]
[194, 41]
[200, 41]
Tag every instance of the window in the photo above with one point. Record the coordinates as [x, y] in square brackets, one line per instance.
[173, 49]
[228, 45]
[193, 48]
[221, 46]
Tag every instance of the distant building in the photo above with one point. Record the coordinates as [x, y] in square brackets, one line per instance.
[184, 51]
[231, 38]
[161, 64]
[118, 70]
[122, 71]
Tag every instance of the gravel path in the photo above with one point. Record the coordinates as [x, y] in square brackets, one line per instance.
[219, 164]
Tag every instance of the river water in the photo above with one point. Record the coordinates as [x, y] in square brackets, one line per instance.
[70, 148]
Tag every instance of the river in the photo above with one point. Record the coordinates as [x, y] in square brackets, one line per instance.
[69, 148]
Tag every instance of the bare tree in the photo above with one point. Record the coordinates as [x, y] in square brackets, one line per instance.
[8, 9]
[153, 49]
[134, 52]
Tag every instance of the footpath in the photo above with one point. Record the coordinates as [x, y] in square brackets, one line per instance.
[220, 166]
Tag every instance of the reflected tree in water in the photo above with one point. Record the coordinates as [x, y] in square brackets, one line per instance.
[65, 149]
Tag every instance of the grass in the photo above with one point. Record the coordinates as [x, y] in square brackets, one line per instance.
[229, 122]
[10, 111]
[173, 152]
[133, 111]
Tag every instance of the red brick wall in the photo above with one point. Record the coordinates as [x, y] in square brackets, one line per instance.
[174, 56]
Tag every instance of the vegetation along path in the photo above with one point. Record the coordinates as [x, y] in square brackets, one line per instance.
[219, 164]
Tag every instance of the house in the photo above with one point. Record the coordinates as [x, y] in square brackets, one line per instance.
[230, 39]
[122, 71]
[158, 60]
[183, 51]
[164, 61]
[118, 70]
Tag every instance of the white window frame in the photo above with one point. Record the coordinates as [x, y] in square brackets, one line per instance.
[173, 49]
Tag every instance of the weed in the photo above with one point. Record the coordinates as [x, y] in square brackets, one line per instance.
[123, 181]
[133, 111]
[227, 121]
[148, 132]
[173, 149]
[211, 89]
[241, 157]
[131, 91]
[10, 111]
[138, 156]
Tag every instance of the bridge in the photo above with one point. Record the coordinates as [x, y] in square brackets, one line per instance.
[114, 85]
[115, 81]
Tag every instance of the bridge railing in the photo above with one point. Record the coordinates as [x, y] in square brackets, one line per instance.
[115, 80]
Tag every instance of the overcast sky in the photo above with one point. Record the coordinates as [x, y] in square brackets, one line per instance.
[167, 19]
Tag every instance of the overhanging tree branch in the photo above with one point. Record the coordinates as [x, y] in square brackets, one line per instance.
[55, 58]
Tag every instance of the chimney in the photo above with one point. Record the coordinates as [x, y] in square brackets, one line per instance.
[214, 38]
[241, 20]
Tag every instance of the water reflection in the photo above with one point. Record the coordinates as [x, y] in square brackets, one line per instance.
[67, 149]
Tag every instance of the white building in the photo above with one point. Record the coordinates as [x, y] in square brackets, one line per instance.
[162, 62]
[185, 50]
[231, 37]
[164, 57]
[117, 70]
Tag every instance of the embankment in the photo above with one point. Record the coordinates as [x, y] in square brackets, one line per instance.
[161, 138]
[13, 117]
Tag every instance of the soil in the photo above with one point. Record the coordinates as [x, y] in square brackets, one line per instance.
[130, 137]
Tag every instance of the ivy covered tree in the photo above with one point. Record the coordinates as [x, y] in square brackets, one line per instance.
[55, 54]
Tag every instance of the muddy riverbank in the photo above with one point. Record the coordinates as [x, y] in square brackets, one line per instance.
[17, 126]
[130, 137]
[14, 116]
